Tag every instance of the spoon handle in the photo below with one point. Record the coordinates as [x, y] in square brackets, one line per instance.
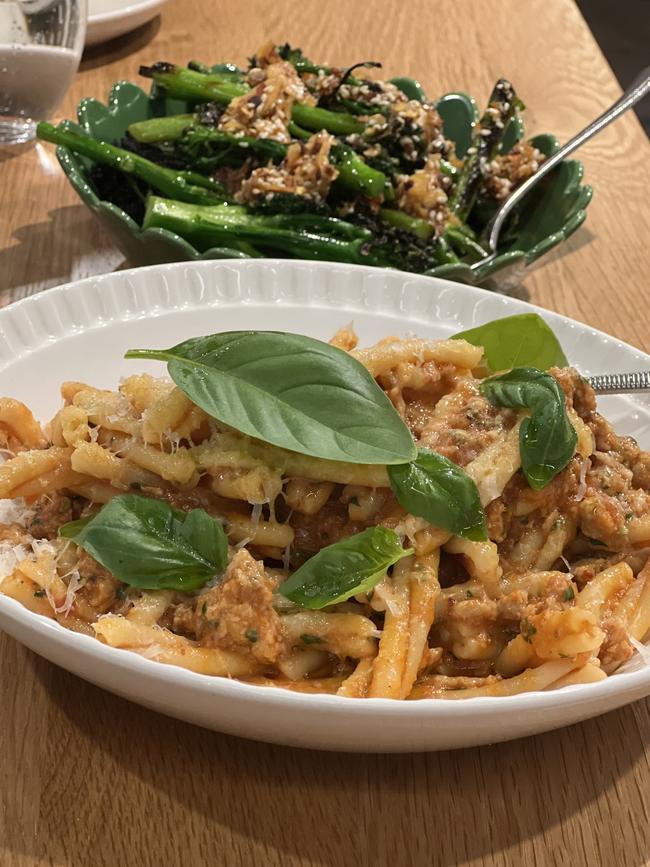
[621, 383]
[636, 91]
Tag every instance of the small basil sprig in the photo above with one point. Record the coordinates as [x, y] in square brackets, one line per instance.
[148, 544]
[292, 391]
[344, 569]
[547, 439]
[435, 488]
[517, 341]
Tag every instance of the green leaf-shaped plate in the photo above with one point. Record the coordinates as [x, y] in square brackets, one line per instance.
[551, 213]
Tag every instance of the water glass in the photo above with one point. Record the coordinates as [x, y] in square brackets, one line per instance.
[40, 46]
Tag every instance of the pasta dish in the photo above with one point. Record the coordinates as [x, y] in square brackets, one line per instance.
[416, 519]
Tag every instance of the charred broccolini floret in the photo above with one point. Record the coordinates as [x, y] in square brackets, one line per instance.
[488, 135]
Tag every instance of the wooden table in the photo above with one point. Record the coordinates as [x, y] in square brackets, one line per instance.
[88, 779]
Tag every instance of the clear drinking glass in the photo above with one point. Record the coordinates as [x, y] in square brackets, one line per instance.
[40, 46]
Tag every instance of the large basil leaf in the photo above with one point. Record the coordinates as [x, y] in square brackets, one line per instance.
[344, 569]
[146, 543]
[517, 341]
[547, 439]
[437, 489]
[292, 391]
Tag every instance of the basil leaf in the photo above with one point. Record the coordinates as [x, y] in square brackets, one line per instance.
[205, 535]
[517, 341]
[339, 571]
[547, 439]
[292, 391]
[146, 543]
[437, 489]
[72, 528]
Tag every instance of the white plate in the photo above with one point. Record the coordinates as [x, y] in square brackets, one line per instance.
[82, 331]
[110, 18]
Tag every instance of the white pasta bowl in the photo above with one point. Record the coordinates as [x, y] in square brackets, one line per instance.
[82, 330]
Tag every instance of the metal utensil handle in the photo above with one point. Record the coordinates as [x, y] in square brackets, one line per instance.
[636, 91]
[620, 383]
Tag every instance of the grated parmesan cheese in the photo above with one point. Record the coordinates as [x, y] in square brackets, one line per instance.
[10, 557]
[14, 512]
[256, 515]
[75, 583]
[642, 649]
[173, 438]
[582, 487]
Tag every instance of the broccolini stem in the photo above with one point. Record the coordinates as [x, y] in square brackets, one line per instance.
[463, 245]
[198, 87]
[204, 141]
[401, 220]
[489, 132]
[317, 119]
[224, 71]
[196, 135]
[158, 129]
[183, 83]
[354, 106]
[355, 174]
[220, 225]
[185, 186]
[444, 253]
[298, 132]
[353, 171]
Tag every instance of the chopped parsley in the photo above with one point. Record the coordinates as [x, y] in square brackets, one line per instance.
[469, 594]
[252, 635]
[569, 593]
[40, 593]
[120, 593]
[629, 516]
[527, 630]
[310, 639]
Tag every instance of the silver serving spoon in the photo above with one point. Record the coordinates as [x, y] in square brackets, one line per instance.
[636, 91]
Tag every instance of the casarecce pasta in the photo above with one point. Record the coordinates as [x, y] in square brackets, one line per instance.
[556, 594]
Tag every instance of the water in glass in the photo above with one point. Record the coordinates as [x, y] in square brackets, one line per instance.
[40, 46]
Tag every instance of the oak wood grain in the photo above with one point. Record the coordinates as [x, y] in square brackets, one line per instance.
[89, 779]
